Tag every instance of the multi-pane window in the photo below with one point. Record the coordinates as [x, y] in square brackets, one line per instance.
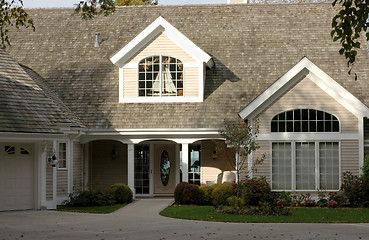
[305, 120]
[142, 169]
[305, 165]
[62, 155]
[194, 164]
[160, 76]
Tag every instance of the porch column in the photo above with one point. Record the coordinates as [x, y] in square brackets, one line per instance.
[131, 168]
[185, 162]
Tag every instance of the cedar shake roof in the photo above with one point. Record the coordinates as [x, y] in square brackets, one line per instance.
[25, 106]
[252, 45]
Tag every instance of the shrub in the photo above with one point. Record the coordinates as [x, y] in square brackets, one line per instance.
[309, 202]
[332, 204]
[122, 193]
[266, 208]
[282, 202]
[91, 197]
[365, 168]
[299, 199]
[322, 199]
[206, 192]
[235, 202]
[220, 194]
[186, 193]
[338, 198]
[256, 190]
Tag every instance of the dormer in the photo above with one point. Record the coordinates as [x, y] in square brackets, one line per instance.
[161, 65]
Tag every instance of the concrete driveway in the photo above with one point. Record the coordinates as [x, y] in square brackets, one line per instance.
[140, 220]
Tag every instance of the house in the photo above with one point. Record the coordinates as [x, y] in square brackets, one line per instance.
[139, 97]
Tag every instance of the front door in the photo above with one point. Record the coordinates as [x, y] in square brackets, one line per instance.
[164, 168]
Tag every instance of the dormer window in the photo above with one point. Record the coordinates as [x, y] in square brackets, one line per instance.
[160, 76]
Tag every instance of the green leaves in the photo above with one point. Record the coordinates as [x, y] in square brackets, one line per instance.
[347, 27]
[91, 8]
[12, 14]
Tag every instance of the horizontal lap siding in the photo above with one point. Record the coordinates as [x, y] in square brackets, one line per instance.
[130, 82]
[105, 171]
[191, 82]
[211, 168]
[262, 169]
[161, 45]
[77, 166]
[49, 172]
[62, 183]
[306, 94]
[350, 156]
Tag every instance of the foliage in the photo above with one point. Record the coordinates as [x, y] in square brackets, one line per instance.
[332, 204]
[338, 198]
[270, 209]
[365, 169]
[322, 199]
[297, 200]
[12, 14]
[91, 8]
[187, 193]
[284, 198]
[241, 137]
[308, 202]
[355, 189]
[297, 215]
[235, 202]
[220, 194]
[256, 190]
[90, 197]
[206, 192]
[348, 24]
[135, 2]
[91, 209]
[122, 193]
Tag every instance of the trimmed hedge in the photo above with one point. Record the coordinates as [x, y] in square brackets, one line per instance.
[122, 193]
[186, 193]
[221, 193]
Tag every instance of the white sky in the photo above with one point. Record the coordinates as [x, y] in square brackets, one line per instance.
[70, 3]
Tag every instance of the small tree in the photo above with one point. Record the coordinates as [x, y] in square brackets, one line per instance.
[241, 137]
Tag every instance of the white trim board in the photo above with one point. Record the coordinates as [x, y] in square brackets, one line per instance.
[160, 25]
[304, 68]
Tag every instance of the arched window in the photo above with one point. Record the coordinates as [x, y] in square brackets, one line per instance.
[160, 76]
[305, 120]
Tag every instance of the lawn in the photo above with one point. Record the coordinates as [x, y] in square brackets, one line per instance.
[298, 215]
[94, 209]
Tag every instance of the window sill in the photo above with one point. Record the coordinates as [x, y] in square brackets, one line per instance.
[159, 99]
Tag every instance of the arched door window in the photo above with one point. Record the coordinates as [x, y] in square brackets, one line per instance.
[160, 76]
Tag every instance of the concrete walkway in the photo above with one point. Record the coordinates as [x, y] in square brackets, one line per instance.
[140, 220]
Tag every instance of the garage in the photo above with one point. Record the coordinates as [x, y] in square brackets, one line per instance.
[16, 177]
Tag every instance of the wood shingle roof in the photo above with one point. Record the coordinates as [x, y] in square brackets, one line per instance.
[251, 45]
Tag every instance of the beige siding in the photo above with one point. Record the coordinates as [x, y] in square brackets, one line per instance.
[161, 45]
[262, 169]
[77, 166]
[211, 168]
[103, 170]
[350, 156]
[306, 94]
[191, 82]
[49, 172]
[236, 1]
[130, 83]
[62, 183]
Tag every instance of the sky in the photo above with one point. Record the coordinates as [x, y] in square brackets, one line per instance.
[70, 3]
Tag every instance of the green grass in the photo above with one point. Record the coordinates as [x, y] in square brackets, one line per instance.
[94, 209]
[298, 215]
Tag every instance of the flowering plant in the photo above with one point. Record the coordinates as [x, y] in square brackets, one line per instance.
[332, 204]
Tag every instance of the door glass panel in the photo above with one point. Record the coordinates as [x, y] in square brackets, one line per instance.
[194, 166]
[164, 168]
[142, 169]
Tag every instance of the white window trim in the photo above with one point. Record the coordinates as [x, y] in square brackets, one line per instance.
[293, 166]
[66, 155]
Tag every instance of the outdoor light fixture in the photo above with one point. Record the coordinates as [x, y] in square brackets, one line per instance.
[114, 153]
[52, 160]
[214, 155]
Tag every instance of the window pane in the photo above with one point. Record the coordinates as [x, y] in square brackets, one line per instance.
[281, 166]
[329, 165]
[305, 165]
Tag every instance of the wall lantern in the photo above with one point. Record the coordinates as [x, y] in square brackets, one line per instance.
[114, 153]
[52, 160]
[214, 155]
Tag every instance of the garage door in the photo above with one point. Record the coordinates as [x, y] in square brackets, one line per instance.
[16, 177]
